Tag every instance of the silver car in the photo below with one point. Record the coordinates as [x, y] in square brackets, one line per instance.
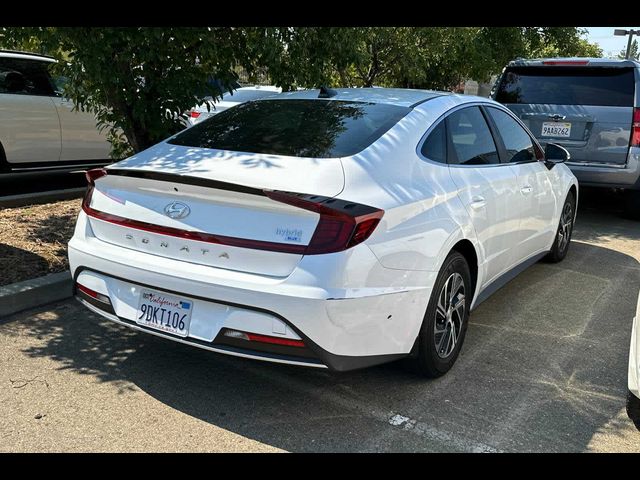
[590, 107]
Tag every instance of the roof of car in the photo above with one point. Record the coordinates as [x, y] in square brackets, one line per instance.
[573, 61]
[403, 97]
[29, 55]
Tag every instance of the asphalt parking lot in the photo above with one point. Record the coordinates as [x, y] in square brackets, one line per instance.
[543, 368]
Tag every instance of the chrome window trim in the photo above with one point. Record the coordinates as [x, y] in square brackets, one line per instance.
[440, 119]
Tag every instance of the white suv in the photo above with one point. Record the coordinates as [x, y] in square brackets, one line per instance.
[38, 128]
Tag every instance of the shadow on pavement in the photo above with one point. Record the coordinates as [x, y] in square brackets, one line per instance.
[543, 369]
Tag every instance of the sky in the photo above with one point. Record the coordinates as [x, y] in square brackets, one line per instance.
[610, 44]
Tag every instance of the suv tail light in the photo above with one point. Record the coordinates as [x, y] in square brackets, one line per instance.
[194, 114]
[342, 224]
[635, 128]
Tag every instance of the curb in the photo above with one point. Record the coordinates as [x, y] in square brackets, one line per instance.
[35, 292]
[38, 198]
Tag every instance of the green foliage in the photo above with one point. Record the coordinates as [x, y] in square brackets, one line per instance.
[634, 51]
[139, 80]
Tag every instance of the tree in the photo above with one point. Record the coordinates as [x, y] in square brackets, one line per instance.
[634, 51]
[138, 81]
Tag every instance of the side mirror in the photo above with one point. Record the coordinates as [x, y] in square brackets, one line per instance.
[554, 154]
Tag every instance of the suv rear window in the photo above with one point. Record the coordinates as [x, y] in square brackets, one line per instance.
[300, 128]
[568, 86]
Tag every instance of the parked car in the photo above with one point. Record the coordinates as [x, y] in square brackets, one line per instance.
[633, 398]
[38, 128]
[231, 99]
[334, 229]
[590, 106]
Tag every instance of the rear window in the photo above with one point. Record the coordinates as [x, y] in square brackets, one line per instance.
[299, 128]
[568, 86]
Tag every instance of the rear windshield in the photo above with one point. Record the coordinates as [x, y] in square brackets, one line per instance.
[299, 128]
[568, 86]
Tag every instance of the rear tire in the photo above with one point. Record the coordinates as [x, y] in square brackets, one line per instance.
[633, 409]
[632, 204]
[445, 322]
[565, 229]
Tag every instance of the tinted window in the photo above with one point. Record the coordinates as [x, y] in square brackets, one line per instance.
[301, 128]
[435, 146]
[516, 140]
[568, 86]
[24, 77]
[247, 95]
[471, 138]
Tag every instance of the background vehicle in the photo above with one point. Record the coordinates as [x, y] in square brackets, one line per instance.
[590, 106]
[38, 129]
[335, 229]
[633, 399]
[231, 99]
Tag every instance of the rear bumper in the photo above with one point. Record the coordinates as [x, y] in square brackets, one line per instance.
[627, 176]
[353, 324]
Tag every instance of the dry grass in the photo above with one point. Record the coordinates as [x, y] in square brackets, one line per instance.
[33, 239]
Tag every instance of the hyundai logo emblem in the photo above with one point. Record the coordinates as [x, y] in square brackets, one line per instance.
[177, 210]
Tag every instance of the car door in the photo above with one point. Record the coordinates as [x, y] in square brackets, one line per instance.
[29, 124]
[535, 199]
[487, 188]
[81, 139]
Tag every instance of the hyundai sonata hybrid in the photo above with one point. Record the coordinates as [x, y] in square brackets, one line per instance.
[328, 228]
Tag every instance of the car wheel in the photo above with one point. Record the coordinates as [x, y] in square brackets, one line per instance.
[565, 229]
[633, 409]
[632, 204]
[445, 321]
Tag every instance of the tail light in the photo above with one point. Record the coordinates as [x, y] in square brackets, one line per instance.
[342, 224]
[635, 128]
[194, 114]
[254, 337]
[94, 174]
[93, 294]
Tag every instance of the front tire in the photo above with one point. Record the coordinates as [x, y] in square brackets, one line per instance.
[565, 229]
[445, 321]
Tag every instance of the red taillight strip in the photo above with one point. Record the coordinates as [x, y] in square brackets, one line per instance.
[635, 128]
[92, 293]
[565, 62]
[254, 337]
[342, 224]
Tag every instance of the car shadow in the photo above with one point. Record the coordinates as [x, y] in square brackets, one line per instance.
[543, 368]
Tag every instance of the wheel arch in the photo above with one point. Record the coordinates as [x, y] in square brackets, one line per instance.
[4, 165]
[465, 248]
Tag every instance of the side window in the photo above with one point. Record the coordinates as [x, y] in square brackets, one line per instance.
[516, 140]
[435, 146]
[471, 139]
[24, 77]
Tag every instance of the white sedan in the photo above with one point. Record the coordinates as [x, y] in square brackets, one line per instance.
[230, 99]
[633, 399]
[334, 229]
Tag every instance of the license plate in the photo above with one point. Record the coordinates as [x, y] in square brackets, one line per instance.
[164, 312]
[556, 129]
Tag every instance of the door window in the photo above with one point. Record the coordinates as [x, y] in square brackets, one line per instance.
[517, 141]
[471, 139]
[21, 76]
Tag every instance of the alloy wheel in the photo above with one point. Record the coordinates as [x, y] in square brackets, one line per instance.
[566, 224]
[450, 313]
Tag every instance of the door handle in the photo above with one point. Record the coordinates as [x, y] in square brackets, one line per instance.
[477, 202]
[526, 189]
